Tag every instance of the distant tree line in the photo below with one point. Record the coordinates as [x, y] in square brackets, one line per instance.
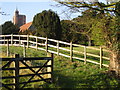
[85, 29]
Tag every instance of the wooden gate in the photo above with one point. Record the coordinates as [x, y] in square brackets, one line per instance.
[42, 69]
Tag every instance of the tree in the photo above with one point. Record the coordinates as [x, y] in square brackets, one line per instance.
[47, 24]
[9, 28]
[69, 34]
[85, 23]
[112, 35]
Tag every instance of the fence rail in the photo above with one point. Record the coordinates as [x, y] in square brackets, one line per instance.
[85, 53]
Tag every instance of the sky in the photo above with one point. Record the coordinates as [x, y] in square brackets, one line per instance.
[30, 8]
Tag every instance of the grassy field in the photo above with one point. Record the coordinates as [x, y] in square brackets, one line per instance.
[81, 49]
[69, 74]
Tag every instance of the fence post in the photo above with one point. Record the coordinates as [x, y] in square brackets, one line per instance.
[19, 40]
[11, 39]
[57, 47]
[85, 55]
[8, 48]
[46, 44]
[4, 39]
[101, 57]
[50, 69]
[24, 50]
[71, 51]
[27, 41]
[36, 43]
[16, 72]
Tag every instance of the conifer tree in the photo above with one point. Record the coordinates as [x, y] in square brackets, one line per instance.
[47, 24]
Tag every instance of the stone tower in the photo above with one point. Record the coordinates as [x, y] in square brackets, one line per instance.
[18, 19]
[15, 18]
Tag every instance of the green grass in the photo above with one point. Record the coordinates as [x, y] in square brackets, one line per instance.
[19, 50]
[81, 49]
[69, 74]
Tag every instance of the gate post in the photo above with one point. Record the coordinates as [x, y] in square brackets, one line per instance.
[50, 69]
[16, 73]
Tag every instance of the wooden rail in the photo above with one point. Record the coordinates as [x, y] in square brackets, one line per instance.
[84, 53]
[36, 70]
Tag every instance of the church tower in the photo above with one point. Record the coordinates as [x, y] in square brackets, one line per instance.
[18, 19]
[15, 18]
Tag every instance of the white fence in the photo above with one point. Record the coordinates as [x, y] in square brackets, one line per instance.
[69, 50]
